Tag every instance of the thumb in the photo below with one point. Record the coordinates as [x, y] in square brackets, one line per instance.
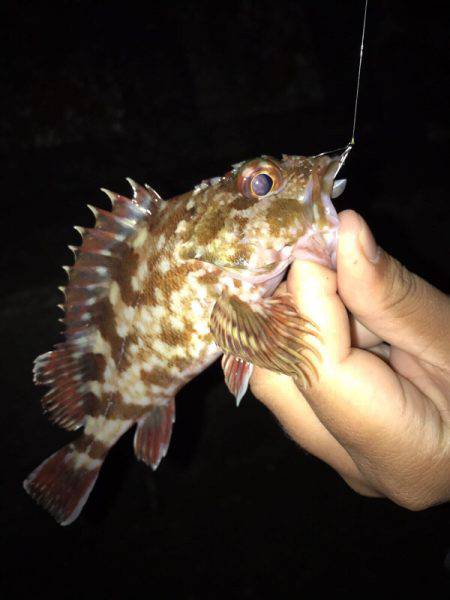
[394, 303]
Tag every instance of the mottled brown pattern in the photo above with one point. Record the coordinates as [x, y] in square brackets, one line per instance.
[242, 203]
[189, 251]
[209, 278]
[88, 444]
[240, 220]
[167, 221]
[94, 406]
[168, 282]
[129, 263]
[121, 410]
[127, 358]
[156, 377]
[282, 214]
[179, 362]
[108, 330]
[148, 297]
[97, 365]
[176, 277]
[175, 337]
[241, 255]
[210, 225]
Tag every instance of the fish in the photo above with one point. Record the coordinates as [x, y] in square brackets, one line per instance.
[160, 289]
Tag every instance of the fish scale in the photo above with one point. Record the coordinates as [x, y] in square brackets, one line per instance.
[161, 289]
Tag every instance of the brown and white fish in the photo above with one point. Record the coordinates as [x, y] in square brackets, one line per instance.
[159, 290]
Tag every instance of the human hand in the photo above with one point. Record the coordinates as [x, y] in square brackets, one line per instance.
[379, 410]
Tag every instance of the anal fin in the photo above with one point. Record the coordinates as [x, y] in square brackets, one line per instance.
[237, 375]
[153, 432]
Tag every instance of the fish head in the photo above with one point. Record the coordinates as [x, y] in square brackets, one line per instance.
[265, 212]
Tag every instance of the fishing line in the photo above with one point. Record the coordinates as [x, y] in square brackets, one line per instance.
[358, 81]
[346, 149]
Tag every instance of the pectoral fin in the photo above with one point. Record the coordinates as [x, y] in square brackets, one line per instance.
[269, 333]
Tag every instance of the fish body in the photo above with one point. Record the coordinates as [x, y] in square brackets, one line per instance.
[161, 289]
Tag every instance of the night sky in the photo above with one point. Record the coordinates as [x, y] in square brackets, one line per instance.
[93, 92]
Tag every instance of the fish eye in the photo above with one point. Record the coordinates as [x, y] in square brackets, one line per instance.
[259, 178]
[261, 184]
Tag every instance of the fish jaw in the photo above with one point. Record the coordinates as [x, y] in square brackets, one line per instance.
[315, 246]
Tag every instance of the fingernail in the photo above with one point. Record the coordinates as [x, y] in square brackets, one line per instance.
[368, 244]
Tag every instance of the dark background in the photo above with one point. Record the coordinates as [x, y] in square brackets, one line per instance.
[95, 91]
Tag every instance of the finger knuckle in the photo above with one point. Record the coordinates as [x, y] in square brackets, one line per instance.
[400, 292]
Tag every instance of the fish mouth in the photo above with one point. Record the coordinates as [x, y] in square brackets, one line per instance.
[319, 243]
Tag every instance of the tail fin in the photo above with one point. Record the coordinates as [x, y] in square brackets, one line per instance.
[63, 482]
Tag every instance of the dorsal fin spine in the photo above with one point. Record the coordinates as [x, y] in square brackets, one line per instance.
[80, 230]
[67, 367]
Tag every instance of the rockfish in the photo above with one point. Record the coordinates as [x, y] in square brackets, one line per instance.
[160, 289]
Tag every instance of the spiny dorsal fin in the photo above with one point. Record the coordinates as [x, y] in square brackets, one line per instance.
[72, 365]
